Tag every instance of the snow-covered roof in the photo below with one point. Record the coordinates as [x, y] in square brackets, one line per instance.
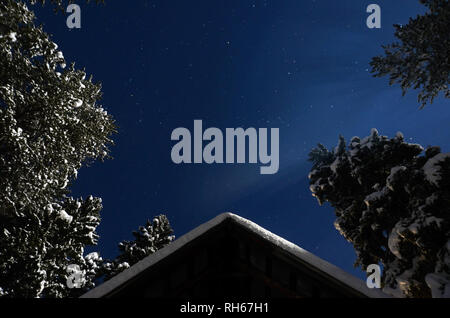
[309, 258]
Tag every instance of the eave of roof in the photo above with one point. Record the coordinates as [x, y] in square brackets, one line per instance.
[309, 258]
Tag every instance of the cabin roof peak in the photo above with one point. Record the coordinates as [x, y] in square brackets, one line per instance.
[321, 266]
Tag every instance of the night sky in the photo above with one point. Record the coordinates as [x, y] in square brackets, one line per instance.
[300, 66]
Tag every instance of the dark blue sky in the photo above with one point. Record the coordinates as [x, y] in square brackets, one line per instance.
[300, 66]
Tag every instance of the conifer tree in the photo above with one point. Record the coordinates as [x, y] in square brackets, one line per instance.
[51, 124]
[392, 202]
[147, 240]
[421, 58]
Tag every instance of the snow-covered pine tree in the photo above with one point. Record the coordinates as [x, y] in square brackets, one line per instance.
[147, 240]
[50, 125]
[392, 202]
[421, 59]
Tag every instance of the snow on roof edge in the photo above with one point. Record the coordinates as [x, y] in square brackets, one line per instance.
[324, 266]
[330, 269]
